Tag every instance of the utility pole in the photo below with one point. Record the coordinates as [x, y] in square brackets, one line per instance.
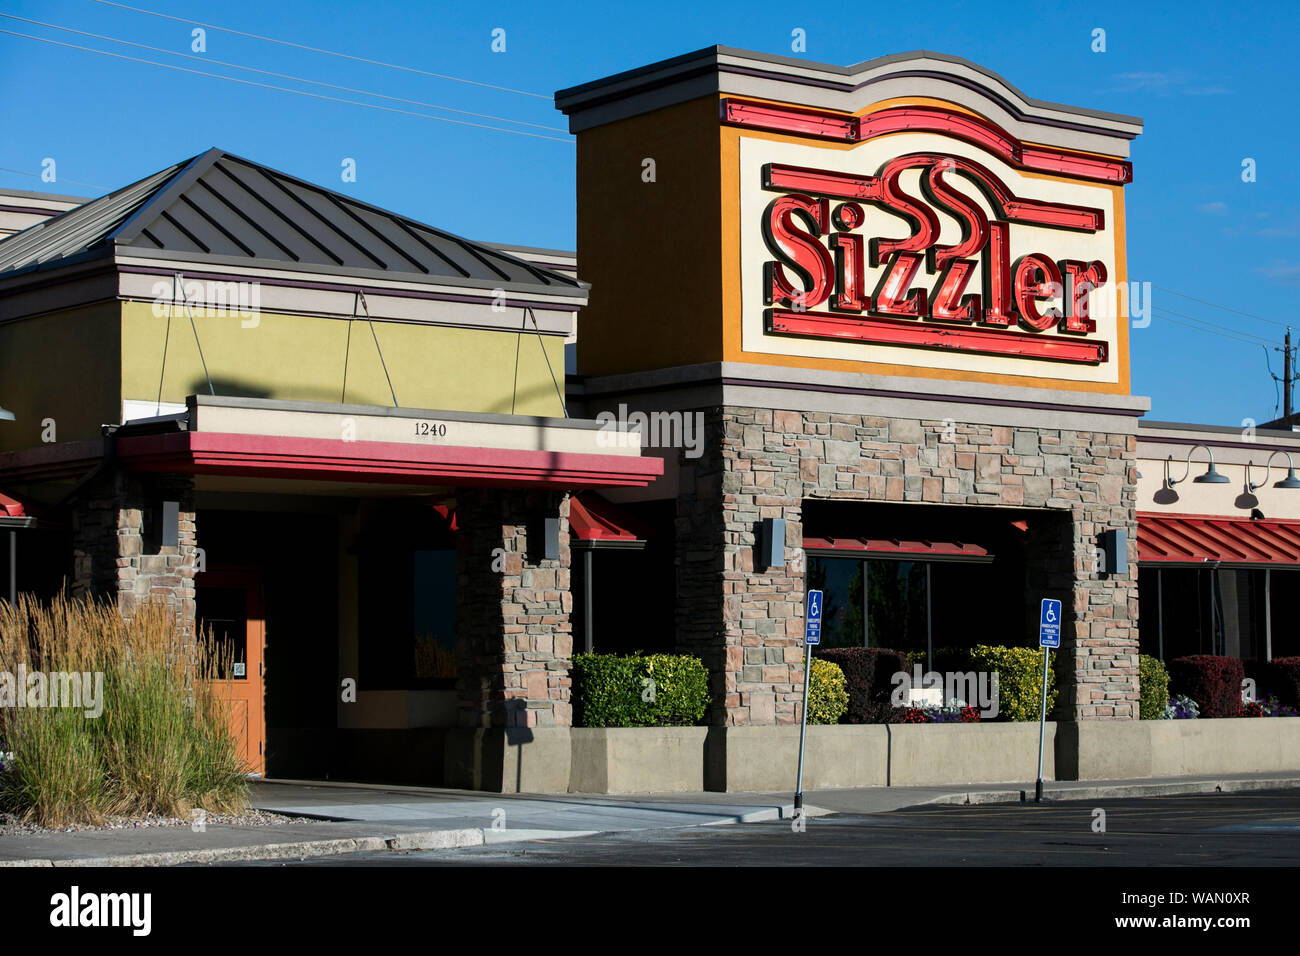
[1286, 378]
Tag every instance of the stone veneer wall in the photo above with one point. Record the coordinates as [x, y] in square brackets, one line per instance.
[760, 463]
[114, 557]
[514, 637]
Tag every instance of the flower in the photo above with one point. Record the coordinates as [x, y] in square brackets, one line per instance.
[956, 711]
[1181, 708]
[1269, 708]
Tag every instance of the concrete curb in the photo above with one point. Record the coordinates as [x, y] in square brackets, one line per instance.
[1111, 792]
[769, 813]
[427, 840]
[421, 840]
[455, 839]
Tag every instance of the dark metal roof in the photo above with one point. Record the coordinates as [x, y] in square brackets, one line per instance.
[79, 229]
[222, 207]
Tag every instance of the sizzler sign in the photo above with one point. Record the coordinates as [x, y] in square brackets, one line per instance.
[1033, 305]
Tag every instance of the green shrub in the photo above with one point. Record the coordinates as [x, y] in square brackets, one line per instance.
[1154, 681]
[607, 693]
[1020, 679]
[828, 694]
[639, 690]
[681, 685]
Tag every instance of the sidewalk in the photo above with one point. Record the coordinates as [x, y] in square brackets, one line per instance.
[361, 817]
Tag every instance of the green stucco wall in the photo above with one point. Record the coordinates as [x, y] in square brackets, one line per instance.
[63, 367]
[301, 358]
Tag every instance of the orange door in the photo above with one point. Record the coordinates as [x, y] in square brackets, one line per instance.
[229, 603]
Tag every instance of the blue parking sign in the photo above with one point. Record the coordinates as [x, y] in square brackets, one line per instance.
[1049, 624]
[812, 630]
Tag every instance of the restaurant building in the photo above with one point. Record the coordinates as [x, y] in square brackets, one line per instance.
[861, 329]
[333, 434]
[849, 275]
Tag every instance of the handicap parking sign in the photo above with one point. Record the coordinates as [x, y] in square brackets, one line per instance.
[1049, 624]
[812, 631]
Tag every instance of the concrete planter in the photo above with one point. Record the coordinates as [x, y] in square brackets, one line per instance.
[637, 759]
[691, 759]
[922, 754]
[877, 755]
[1100, 750]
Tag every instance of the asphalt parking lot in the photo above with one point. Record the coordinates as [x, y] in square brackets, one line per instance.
[1249, 829]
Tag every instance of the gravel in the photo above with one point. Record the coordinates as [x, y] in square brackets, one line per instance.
[12, 826]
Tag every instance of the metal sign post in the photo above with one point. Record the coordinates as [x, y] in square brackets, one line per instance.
[812, 634]
[1049, 636]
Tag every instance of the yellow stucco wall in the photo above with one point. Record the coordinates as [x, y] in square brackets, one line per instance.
[59, 366]
[301, 358]
[652, 250]
[664, 257]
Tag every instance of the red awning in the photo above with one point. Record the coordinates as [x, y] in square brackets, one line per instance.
[1195, 539]
[15, 513]
[897, 548]
[596, 520]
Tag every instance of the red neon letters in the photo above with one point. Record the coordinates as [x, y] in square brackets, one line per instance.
[813, 231]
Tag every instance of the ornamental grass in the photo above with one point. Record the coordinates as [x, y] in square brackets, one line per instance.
[161, 741]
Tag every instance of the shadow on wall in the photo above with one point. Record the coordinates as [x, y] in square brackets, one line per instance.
[229, 387]
[517, 735]
[237, 388]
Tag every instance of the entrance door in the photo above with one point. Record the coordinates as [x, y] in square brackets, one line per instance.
[229, 604]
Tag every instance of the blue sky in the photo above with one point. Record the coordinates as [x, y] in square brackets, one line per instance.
[1215, 86]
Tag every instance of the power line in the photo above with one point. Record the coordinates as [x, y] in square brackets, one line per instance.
[1215, 305]
[283, 76]
[1210, 327]
[1277, 393]
[20, 172]
[1211, 331]
[283, 89]
[1214, 325]
[1223, 335]
[312, 49]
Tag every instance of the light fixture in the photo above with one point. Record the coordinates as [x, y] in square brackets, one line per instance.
[1211, 476]
[6, 415]
[1290, 481]
[771, 543]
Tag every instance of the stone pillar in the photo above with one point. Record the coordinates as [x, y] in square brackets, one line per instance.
[744, 622]
[118, 553]
[1102, 683]
[705, 613]
[514, 637]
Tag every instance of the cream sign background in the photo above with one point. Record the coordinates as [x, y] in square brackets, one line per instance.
[866, 160]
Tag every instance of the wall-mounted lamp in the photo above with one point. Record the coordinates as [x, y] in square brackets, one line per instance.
[771, 544]
[544, 539]
[1290, 481]
[160, 526]
[1211, 476]
[1114, 551]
